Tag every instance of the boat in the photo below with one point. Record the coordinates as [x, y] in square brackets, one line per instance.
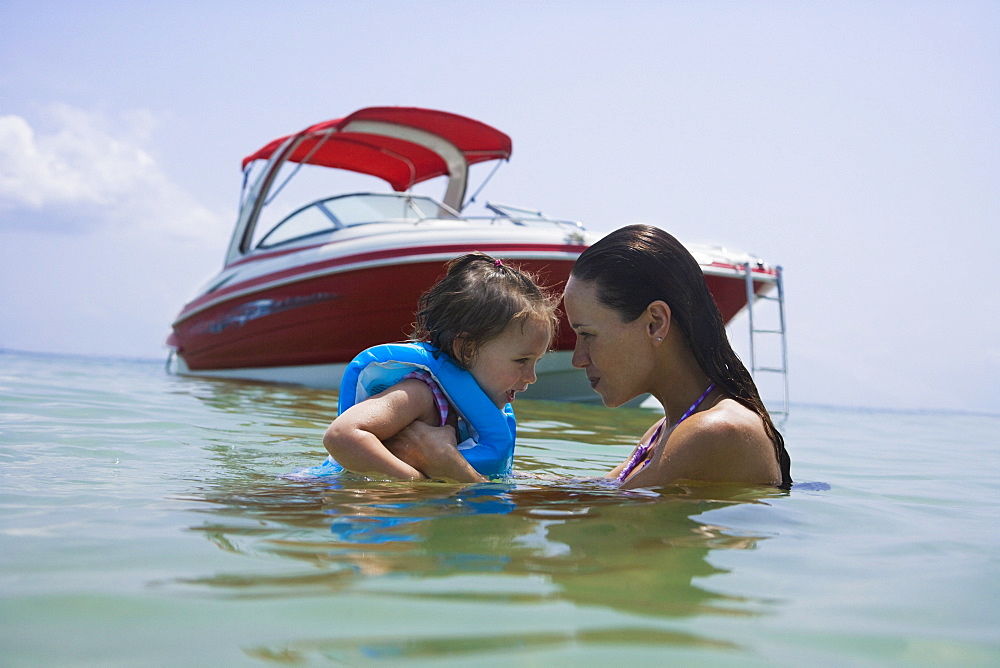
[314, 275]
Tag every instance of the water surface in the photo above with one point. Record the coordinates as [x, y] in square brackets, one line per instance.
[149, 519]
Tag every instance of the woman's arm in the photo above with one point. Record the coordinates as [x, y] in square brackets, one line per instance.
[616, 471]
[433, 451]
[356, 438]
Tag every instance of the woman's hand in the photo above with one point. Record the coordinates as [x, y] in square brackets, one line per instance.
[433, 451]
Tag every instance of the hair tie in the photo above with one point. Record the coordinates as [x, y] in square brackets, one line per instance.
[497, 263]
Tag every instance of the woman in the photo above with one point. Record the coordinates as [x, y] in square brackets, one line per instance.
[646, 323]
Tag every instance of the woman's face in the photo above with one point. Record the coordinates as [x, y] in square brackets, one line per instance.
[614, 354]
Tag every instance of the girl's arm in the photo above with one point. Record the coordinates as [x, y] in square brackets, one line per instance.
[356, 438]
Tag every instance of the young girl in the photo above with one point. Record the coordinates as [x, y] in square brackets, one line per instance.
[479, 333]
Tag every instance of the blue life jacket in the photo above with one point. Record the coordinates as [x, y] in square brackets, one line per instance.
[485, 433]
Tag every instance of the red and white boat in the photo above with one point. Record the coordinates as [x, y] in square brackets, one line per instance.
[312, 277]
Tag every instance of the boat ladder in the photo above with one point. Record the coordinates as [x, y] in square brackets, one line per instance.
[779, 330]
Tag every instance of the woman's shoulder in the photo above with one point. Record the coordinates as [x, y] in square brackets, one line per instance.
[727, 441]
[727, 418]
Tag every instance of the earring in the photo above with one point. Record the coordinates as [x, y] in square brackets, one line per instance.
[659, 338]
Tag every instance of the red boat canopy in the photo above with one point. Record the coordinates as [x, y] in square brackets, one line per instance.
[403, 155]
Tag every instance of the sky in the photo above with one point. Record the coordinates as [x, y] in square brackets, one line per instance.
[856, 144]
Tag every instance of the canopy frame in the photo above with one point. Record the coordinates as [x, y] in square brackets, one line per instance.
[403, 146]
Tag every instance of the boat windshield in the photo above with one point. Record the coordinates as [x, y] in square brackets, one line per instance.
[334, 213]
[373, 208]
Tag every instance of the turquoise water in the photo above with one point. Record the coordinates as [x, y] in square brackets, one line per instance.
[147, 520]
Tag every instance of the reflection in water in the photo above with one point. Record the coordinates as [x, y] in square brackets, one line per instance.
[351, 650]
[543, 538]
[634, 551]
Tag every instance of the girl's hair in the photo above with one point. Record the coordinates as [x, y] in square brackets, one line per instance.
[639, 264]
[477, 298]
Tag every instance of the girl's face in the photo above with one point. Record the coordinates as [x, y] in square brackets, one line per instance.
[505, 364]
[609, 350]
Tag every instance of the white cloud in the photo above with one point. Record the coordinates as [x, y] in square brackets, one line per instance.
[92, 171]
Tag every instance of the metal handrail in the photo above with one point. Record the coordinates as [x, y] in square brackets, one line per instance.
[752, 297]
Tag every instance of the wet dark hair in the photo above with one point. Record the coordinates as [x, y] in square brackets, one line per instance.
[639, 264]
[477, 298]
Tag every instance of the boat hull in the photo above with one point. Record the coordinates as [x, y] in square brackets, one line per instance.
[306, 331]
[325, 319]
